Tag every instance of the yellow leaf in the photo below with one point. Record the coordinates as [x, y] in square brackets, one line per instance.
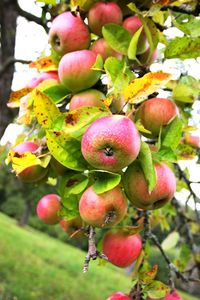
[24, 161]
[108, 100]
[140, 88]
[44, 64]
[14, 100]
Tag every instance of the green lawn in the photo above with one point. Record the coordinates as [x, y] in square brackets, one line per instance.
[34, 266]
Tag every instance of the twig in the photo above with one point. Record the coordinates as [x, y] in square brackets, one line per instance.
[10, 61]
[29, 16]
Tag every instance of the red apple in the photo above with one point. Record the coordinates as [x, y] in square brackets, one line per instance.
[89, 97]
[172, 296]
[119, 296]
[48, 208]
[103, 13]
[68, 33]
[75, 70]
[111, 143]
[44, 76]
[104, 209]
[157, 112]
[136, 186]
[122, 249]
[72, 226]
[101, 47]
[33, 173]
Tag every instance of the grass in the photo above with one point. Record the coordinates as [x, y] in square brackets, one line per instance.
[34, 266]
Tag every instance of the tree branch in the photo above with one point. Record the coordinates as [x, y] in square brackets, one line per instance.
[10, 61]
[194, 12]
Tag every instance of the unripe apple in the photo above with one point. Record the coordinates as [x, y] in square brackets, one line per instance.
[192, 140]
[157, 112]
[33, 173]
[119, 296]
[136, 186]
[75, 70]
[71, 226]
[68, 33]
[44, 76]
[103, 13]
[132, 24]
[121, 248]
[101, 47]
[105, 209]
[89, 97]
[111, 143]
[47, 209]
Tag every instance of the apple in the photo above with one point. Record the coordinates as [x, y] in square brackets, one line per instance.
[33, 173]
[58, 167]
[68, 33]
[132, 24]
[47, 209]
[75, 70]
[121, 248]
[44, 76]
[103, 13]
[172, 296]
[71, 226]
[136, 186]
[192, 140]
[89, 97]
[105, 209]
[111, 143]
[157, 112]
[101, 47]
[144, 57]
[119, 296]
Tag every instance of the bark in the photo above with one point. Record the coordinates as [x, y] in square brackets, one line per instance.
[26, 214]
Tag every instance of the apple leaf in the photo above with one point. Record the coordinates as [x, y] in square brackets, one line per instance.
[183, 47]
[140, 88]
[165, 154]
[187, 23]
[183, 257]
[130, 230]
[45, 64]
[104, 180]
[184, 93]
[185, 152]
[73, 184]
[132, 49]
[52, 2]
[147, 277]
[171, 135]
[146, 162]
[14, 100]
[156, 289]
[66, 150]
[117, 37]
[70, 208]
[170, 241]
[56, 93]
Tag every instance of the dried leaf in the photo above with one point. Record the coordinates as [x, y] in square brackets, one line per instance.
[44, 64]
[14, 100]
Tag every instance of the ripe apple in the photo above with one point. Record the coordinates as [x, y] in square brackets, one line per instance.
[132, 24]
[68, 33]
[47, 209]
[111, 143]
[103, 13]
[33, 173]
[157, 112]
[44, 76]
[121, 248]
[192, 140]
[89, 97]
[119, 296]
[71, 226]
[136, 186]
[101, 47]
[104, 209]
[75, 70]
[172, 296]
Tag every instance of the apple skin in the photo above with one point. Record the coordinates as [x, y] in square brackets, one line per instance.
[132, 24]
[111, 143]
[103, 13]
[121, 248]
[101, 47]
[119, 296]
[33, 173]
[68, 33]
[47, 209]
[157, 112]
[71, 226]
[191, 140]
[105, 209]
[172, 296]
[89, 97]
[34, 82]
[75, 70]
[136, 187]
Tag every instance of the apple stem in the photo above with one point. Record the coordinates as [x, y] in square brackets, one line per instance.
[93, 253]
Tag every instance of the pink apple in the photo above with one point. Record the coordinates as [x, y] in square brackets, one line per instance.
[101, 47]
[122, 249]
[48, 208]
[68, 33]
[43, 76]
[89, 97]
[111, 143]
[119, 296]
[105, 209]
[102, 13]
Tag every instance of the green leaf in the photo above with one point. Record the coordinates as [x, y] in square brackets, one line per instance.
[184, 256]
[132, 49]
[189, 24]
[183, 47]
[148, 276]
[165, 154]
[145, 159]
[184, 93]
[172, 134]
[170, 241]
[66, 150]
[113, 67]
[156, 289]
[56, 93]
[73, 184]
[52, 2]
[133, 7]
[117, 37]
[70, 209]
[104, 180]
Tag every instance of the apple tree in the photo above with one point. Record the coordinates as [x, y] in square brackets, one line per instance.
[112, 132]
